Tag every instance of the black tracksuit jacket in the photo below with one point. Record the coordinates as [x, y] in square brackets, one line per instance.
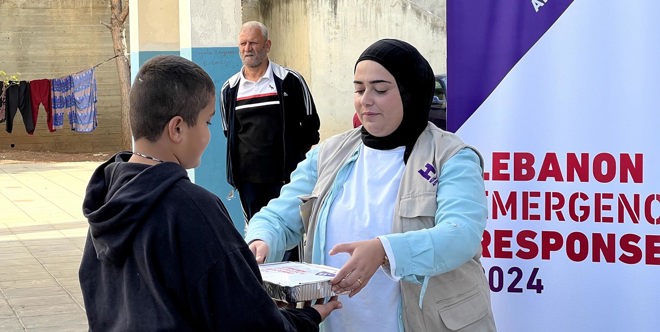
[300, 120]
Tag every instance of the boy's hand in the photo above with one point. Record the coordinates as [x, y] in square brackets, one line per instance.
[325, 309]
[259, 249]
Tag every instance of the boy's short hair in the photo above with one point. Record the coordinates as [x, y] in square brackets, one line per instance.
[167, 86]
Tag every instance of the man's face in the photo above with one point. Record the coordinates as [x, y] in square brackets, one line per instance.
[252, 47]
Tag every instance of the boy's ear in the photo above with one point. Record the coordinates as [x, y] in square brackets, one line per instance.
[175, 128]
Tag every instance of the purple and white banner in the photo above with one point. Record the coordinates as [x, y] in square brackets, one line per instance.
[561, 99]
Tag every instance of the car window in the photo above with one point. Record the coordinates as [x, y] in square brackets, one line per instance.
[440, 94]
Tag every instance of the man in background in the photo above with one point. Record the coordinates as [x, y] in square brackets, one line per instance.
[270, 121]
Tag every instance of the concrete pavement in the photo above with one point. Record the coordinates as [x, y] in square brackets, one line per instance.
[42, 234]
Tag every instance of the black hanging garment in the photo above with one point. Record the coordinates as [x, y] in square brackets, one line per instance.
[3, 117]
[18, 98]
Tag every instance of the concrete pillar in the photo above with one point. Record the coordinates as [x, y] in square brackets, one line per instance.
[208, 35]
[206, 32]
[154, 30]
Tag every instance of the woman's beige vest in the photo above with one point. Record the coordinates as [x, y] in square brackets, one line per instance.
[458, 300]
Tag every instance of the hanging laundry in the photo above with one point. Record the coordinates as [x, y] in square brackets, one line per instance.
[18, 99]
[40, 93]
[2, 102]
[83, 118]
[62, 99]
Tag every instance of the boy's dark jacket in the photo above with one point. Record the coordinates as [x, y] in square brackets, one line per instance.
[162, 254]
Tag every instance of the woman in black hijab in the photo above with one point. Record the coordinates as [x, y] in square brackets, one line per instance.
[398, 205]
[416, 83]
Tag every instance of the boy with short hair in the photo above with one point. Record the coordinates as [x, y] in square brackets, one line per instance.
[162, 252]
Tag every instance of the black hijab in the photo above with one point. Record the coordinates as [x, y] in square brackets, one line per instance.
[416, 83]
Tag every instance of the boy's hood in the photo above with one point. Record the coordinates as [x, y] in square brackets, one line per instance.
[121, 197]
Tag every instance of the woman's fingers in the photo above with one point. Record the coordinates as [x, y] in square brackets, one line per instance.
[366, 257]
[351, 284]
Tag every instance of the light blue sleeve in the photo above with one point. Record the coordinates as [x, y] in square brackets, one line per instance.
[460, 220]
[279, 223]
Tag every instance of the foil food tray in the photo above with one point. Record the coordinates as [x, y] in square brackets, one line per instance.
[293, 282]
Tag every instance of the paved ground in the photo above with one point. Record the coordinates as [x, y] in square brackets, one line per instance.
[42, 233]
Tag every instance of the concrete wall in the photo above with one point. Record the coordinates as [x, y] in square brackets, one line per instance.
[323, 38]
[320, 38]
[159, 24]
[208, 37]
[49, 39]
[156, 30]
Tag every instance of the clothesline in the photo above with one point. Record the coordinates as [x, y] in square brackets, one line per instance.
[102, 62]
[73, 95]
[16, 78]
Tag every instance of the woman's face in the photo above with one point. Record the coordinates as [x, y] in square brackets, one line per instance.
[377, 99]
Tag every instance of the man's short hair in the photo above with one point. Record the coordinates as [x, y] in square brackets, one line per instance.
[167, 86]
[258, 25]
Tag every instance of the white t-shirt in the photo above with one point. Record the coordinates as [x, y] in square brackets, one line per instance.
[364, 209]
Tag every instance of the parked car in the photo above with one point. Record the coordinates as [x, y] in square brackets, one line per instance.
[438, 114]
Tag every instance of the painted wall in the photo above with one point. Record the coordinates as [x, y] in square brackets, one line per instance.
[320, 38]
[159, 24]
[323, 38]
[156, 30]
[203, 31]
[207, 35]
[324, 53]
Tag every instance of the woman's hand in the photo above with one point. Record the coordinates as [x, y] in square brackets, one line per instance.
[260, 250]
[366, 257]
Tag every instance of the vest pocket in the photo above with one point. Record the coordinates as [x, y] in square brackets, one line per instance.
[467, 310]
[417, 212]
